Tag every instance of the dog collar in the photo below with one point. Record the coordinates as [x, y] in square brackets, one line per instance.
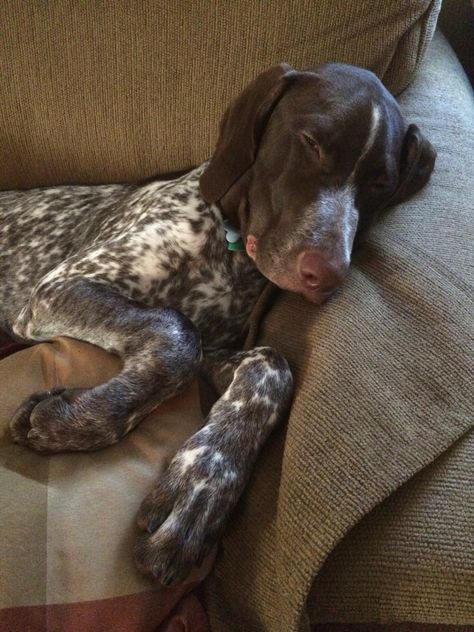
[233, 237]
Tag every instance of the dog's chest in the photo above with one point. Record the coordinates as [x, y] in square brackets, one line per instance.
[194, 272]
[171, 250]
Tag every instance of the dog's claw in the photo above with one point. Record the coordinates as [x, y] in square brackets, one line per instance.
[167, 580]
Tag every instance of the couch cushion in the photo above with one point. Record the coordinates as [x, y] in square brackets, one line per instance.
[111, 92]
[384, 377]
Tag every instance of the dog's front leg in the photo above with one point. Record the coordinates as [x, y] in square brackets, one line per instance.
[160, 350]
[186, 511]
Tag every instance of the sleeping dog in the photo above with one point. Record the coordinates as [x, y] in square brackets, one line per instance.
[303, 162]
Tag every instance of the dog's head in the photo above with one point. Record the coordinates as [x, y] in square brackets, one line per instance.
[303, 161]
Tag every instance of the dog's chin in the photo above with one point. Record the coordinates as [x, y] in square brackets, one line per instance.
[318, 298]
[292, 285]
[312, 296]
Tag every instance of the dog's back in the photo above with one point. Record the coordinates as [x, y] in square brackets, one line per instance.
[40, 228]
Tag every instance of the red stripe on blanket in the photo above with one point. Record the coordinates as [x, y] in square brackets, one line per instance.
[142, 612]
[188, 616]
[390, 627]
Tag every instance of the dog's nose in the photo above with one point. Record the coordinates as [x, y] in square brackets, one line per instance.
[320, 273]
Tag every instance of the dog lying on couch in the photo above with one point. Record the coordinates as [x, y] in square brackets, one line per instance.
[303, 162]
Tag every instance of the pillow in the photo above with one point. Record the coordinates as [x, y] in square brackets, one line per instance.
[67, 528]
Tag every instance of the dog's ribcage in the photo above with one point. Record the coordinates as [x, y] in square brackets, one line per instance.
[159, 244]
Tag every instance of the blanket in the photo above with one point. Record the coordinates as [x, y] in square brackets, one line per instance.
[67, 527]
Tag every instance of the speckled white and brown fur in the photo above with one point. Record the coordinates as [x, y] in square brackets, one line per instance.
[144, 271]
[302, 162]
[159, 244]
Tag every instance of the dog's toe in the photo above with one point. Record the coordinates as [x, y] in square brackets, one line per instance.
[156, 507]
[168, 555]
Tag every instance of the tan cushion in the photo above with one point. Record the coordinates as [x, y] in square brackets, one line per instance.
[118, 91]
[412, 558]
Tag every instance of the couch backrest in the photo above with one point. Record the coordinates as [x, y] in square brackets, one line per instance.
[110, 92]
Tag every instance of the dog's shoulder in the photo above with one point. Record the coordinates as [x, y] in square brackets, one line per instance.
[172, 211]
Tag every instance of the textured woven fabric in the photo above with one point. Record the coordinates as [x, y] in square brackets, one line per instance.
[411, 558]
[118, 91]
[384, 376]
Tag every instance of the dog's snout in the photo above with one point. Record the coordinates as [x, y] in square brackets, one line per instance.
[319, 273]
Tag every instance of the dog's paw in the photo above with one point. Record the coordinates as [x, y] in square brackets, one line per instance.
[20, 423]
[184, 514]
[176, 538]
[50, 422]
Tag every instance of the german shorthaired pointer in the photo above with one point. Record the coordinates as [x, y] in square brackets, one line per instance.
[303, 161]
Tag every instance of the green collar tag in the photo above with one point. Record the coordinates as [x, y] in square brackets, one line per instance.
[233, 237]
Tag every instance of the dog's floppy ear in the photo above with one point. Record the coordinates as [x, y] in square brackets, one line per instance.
[241, 129]
[417, 159]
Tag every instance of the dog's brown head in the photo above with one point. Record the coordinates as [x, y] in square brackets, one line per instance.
[303, 161]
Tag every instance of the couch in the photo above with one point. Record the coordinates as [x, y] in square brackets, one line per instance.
[360, 511]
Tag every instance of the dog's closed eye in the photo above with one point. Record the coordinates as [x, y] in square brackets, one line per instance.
[313, 144]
